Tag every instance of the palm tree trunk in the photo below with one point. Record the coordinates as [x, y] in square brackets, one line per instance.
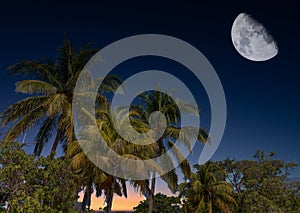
[111, 196]
[152, 191]
[84, 202]
[109, 202]
[86, 197]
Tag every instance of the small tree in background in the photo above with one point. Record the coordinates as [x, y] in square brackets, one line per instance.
[162, 204]
[35, 184]
[207, 191]
[263, 185]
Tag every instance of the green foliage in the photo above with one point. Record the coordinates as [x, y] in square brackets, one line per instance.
[162, 204]
[168, 143]
[262, 185]
[35, 184]
[42, 184]
[51, 87]
[207, 191]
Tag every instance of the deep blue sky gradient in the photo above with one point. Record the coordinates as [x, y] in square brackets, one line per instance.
[262, 97]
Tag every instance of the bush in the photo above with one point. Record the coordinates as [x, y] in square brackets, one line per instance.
[30, 184]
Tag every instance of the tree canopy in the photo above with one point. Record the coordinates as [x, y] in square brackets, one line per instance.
[163, 203]
[32, 184]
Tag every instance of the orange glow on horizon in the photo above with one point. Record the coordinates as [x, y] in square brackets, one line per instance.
[122, 203]
[119, 203]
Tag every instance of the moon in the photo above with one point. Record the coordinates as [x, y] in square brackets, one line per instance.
[251, 39]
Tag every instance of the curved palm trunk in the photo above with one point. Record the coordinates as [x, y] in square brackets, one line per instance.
[151, 196]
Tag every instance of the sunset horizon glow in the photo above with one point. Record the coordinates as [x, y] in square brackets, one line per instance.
[125, 204]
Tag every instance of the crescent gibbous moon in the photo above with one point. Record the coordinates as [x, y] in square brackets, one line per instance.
[251, 39]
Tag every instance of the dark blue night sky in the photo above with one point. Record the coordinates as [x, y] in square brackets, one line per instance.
[262, 97]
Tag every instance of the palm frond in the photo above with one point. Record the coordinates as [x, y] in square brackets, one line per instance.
[43, 135]
[171, 179]
[35, 87]
[41, 70]
[16, 111]
[25, 123]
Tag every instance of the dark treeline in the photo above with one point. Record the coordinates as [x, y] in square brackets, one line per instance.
[260, 185]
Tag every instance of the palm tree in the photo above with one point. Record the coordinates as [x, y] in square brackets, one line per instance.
[159, 101]
[93, 177]
[139, 117]
[205, 192]
[51, 92]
